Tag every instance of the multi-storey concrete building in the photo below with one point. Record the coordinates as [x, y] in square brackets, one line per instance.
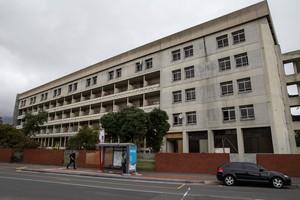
[222, 84]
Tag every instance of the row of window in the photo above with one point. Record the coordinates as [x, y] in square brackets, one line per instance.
[91, 81]
[240, 61]
[190, 95]
[244, 85]
[246, 113]
[138, 67]
[188, 52]
[44, 96]
[237, 37]
[222, 41]
[224, 64]
[189, 72]
[115, 74]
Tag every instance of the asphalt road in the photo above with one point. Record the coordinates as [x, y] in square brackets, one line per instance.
[17, 185]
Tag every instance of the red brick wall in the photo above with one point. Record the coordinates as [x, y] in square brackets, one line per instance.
[286, 163]
[88, 159]
[43, 156]
[5, 154]
[189, 162]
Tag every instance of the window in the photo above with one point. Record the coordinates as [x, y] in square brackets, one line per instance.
[32, 100]
[195, 146]
[70, 90]
[226, 139]
[176, 55]
[224, 63]
[119, 73]
[94, 80]
[188, 51]
[228, 114]
[241, 60]
[189, 72]
[176, 75]
[148, 63]
[190, 94]
[72, 87]
[88, 82]
[191, 118]
[75, 87]
[57, 92]
[222, 41]
[177, 97]
[238, 36]
[244, 85]
[177, 119]
[44, 96]
[247, 112]
[110, 75]
[226, 88]
[257, 140]
[23, 103]
[139, 66]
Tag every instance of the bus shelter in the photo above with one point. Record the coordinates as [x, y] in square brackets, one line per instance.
[118, 157]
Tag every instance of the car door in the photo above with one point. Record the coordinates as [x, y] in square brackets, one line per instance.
[255, 173]
[239, 171]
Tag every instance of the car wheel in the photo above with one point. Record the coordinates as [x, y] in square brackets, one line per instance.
[277, 182]
[229, 180]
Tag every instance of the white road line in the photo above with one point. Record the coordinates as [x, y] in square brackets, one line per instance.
[84, 185]
[186, 193]
[124, 189]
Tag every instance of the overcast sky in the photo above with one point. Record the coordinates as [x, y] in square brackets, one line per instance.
[42, 40]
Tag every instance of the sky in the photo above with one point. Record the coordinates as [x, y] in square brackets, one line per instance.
[42, 40]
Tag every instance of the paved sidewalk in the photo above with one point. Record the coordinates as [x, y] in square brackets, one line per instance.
[145, 176]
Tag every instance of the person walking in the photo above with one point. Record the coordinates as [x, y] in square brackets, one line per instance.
[123, 161]
[72, 160]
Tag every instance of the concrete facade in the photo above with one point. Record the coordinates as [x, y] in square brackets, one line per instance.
[222, 84]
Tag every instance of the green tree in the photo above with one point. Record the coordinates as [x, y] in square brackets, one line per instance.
[10, 137]
[134, 125]
[33, 122]
[85, 139]
[158, 126]
[110, 122]
[129, 124]
[1, 121]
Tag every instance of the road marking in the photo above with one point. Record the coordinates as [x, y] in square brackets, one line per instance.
[124, 189]
[87, 179]
[66, 177]
[181, 186]
[20, 168]
[84, 185]
[186, 193]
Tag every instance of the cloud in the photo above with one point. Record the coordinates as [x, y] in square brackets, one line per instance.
[42, 40]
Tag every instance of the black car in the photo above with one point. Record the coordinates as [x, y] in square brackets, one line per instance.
[233, 172]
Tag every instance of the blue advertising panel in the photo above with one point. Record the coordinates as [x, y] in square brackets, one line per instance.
[132, 158]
